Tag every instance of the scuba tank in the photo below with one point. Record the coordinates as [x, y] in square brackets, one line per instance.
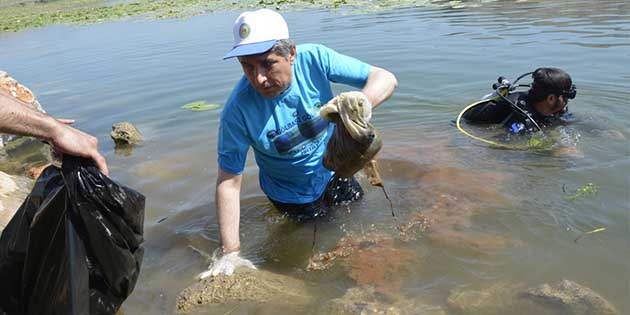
[502, 90]
[498, 87]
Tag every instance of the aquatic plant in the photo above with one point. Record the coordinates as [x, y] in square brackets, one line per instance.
[200, 106]
[588, 233]
[540, 141]
[586, 190]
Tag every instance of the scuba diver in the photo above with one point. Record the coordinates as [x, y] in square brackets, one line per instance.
[543, 105]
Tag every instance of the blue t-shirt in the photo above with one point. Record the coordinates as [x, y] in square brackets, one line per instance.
[288, 136]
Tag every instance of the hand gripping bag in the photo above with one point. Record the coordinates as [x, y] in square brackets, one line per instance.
[74, 246]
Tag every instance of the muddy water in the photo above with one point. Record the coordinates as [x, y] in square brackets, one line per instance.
[476, 216]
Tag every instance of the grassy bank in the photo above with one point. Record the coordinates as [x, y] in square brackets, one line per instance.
[24, 15]
[17, 15]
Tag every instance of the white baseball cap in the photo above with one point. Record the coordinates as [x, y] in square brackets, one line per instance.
[255, 32]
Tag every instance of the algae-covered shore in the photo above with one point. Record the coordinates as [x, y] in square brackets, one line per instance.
[16, 15]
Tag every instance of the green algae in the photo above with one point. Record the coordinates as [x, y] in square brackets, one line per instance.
[201, 106]
[586, 190]
[538, 141]
[601, 229]
[32, 15]
[16, 15]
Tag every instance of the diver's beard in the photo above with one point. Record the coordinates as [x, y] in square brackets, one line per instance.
[558, 107]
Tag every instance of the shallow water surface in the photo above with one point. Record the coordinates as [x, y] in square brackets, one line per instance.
[496, 216]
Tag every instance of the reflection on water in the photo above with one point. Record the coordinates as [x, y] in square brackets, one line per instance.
[471, 215]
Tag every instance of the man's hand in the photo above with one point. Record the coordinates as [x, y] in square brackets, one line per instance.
[17, 117]
[66, 139]
[226, 265]
[353, 103]
[363, 102]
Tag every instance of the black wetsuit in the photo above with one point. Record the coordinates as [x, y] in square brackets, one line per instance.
[500, 112]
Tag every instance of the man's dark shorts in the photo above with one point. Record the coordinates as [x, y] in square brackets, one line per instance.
[339, 191]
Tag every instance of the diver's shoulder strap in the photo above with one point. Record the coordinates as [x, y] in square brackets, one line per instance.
[518, 98]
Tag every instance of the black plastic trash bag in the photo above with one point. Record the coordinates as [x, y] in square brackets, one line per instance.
[74, 246]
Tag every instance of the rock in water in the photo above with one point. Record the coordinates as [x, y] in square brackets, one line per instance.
[361, 300]
[245, 285]
[365, 300]
[125, 133]
[23, 153]
[572, 298]
[11, 87]
[499, 298]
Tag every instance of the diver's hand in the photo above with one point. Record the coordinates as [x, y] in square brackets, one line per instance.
[226, 265]
[357, 100]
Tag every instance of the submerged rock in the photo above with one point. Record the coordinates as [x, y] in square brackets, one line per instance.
[125, 133]
[571, 298]
[365, 300]
[361, 300]
[613, 134]
[246, 285]
[370, 259]
[448, 221]
[565, 297]
[499, 298]
[346, 246]
[21, 154]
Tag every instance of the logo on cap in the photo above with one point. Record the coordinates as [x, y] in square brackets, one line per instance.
[243, 31]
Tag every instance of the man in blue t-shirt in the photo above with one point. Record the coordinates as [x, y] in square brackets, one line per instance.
[274, 109]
